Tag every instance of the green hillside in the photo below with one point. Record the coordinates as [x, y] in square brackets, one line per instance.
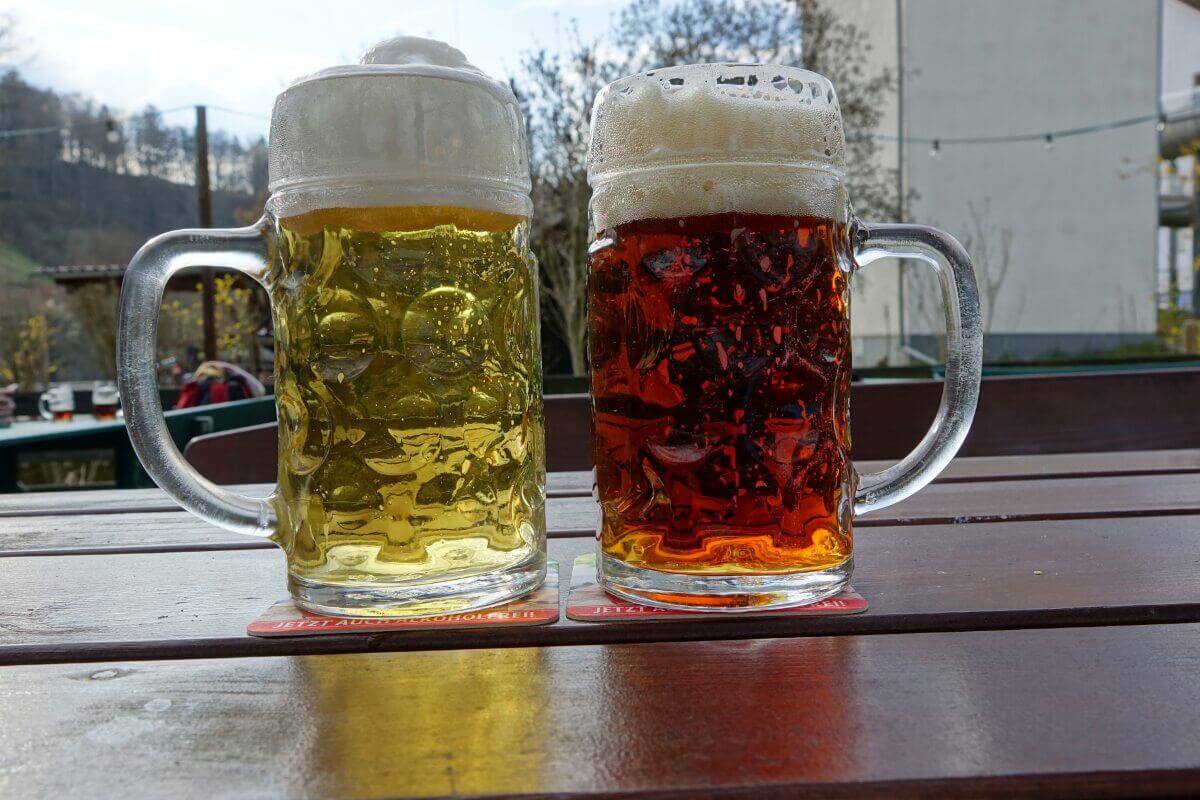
[16, 267]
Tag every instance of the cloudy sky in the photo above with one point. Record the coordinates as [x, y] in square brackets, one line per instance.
[238, 55]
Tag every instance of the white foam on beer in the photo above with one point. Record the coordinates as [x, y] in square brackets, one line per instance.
[716, 138]
[414, 124]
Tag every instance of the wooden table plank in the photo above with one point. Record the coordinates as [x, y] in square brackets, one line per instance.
[941, 577]
[1064, 465]
[1034, 499]
[180, 531]
[154, 532]
[579, 483]
[1136, 496]
[1143, 496]
[101, 501]
[1085, 712]
[125, 501]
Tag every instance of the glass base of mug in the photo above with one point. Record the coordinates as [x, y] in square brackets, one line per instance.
[406, 599]
[720, 593]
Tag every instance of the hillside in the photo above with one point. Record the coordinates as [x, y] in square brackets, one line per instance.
[16, 267]
[62, 212]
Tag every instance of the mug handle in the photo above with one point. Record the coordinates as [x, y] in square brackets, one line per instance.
[244, 249]
[44, 406]
[964, 356]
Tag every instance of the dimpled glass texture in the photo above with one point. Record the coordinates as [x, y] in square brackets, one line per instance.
[409, 388]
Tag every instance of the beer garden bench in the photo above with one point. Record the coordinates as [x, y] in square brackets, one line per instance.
[1033, 630]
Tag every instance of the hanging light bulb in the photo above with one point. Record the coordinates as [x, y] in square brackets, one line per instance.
[936, 149]
[110, 131]
[1162, 123]
[1049, 145]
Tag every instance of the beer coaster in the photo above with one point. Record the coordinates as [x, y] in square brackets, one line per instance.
[587, 602]
[539, 607]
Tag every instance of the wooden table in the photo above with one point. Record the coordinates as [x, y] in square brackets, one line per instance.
[1034, 630]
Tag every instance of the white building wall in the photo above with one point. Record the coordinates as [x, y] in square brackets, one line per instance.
[1180, 47]
[1180, 71]
[874, 303]
[1083, 214]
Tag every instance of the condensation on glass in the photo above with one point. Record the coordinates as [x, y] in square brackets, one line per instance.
[407, 375]
[719, 339]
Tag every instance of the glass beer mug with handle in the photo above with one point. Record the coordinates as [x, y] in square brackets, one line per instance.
[719, 339]
[395, 250]
[57, 402]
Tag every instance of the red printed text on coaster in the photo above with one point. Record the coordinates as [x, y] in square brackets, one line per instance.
[590, 603]
[539, 607]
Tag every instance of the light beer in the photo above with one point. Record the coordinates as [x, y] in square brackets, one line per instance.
[394, 246]
[409, 391]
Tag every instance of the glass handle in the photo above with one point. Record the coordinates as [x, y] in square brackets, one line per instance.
[964, 356]
[243, 249]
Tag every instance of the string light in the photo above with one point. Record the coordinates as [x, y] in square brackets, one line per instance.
[1160, 121]
[935, 143]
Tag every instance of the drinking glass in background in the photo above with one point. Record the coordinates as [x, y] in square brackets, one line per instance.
[105, 400]
[719, 339]
[57, 403]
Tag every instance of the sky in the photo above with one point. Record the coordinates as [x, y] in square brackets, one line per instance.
[239, 55]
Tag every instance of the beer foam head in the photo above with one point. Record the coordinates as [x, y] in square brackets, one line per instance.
[716, 138]
[413, 124]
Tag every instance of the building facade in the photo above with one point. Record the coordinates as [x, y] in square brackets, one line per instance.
[1064, 229]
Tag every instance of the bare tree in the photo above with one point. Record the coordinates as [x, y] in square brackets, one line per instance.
[991, 251]
[556, 95]
[557, 89]
[11, 44]
[96, 310]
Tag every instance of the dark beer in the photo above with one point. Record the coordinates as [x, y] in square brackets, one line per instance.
[720, 354]
[104, 411]
[104, 400]
[63, 415]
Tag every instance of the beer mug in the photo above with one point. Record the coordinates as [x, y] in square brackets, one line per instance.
[719, 339]
[57, 403]
[104, 400]
[395, 248]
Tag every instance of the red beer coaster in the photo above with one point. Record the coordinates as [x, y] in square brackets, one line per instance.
[539, 607]
[587, 602]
